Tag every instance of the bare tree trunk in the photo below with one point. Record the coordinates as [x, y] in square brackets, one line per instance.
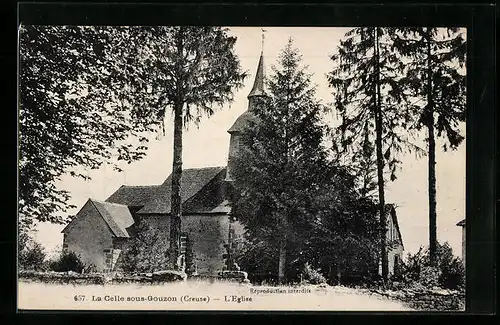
[380, 162]
[282, 252]
[175, 212]
[432, 157]
[175, 198]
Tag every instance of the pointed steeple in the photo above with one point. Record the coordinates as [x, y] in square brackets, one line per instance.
[258, 84]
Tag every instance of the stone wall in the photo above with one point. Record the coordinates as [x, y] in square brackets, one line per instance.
[208, 234]
[101, 278]
[431, 300]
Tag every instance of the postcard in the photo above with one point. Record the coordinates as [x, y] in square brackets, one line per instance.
[254, 168]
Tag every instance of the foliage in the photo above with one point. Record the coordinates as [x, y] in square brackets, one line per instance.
[435, 58]
[67, 116]
[446, 62]
[31, 255]
[282, 171]
[429, 276]
[312, 276]
[92, 94]
[373, 130]
[190, 70]
[452, 268]
[274, 177]
[258, 258]
[68, 261]
[366, 79]
[147, 251]
[449, 272]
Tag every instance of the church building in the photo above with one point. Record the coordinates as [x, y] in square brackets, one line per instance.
[101, 229]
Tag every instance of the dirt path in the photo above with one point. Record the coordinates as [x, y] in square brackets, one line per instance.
[199, 296]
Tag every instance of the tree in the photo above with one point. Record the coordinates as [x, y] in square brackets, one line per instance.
[191, 70]
[93, 94]
[435, 55]
[68, 117]
[290, 197]
[367, 96]
[274, 177]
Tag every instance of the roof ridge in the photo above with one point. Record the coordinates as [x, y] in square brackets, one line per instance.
[106, 202]
[206, 167]
[155, 185]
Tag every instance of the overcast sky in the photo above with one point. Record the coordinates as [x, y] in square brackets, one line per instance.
[208, 146]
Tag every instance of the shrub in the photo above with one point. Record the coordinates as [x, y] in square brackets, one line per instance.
[429, 276]
[410, 271]
[90, 268]
[449, 273]
[453, 275]
[147, 252]
[31, 254]
[67, 261]
[312, 276]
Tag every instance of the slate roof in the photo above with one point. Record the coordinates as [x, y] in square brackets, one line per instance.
[242, 121]
[116, 216]
[258, 84]
[192, 182]
[258, 89]
[135, 196]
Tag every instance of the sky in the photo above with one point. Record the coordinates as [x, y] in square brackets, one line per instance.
[208, 144]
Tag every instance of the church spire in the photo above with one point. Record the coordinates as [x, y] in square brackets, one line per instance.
[258, 84]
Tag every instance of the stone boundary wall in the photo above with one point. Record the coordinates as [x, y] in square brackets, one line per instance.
[119, 278]
[102, 278]
[428, 300]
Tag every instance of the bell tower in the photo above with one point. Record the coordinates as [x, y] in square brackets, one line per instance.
[243, 120]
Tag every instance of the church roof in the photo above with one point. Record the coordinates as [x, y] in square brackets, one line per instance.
[192, 182]
[258, 89]
[116, 216]
[133, 195]
[258, 84]
[242, 121]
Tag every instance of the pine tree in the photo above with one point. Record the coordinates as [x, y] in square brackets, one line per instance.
[436, 56]
[280, 162]
[205, 72]
[194, 70]
[368, 96]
